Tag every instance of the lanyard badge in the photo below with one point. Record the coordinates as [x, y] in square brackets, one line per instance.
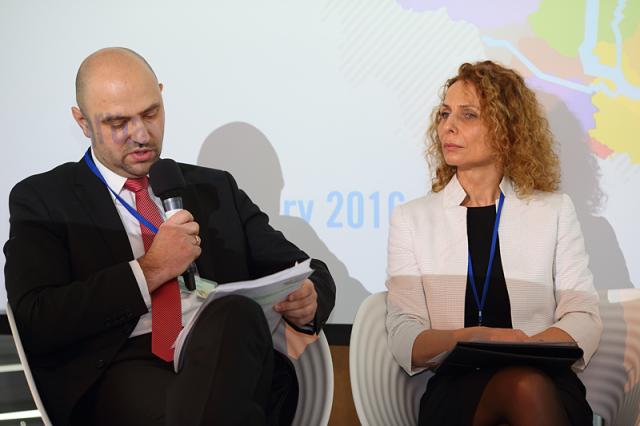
[481, 302]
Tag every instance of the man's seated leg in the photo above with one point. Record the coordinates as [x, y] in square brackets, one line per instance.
[283, 398]
[226, 376]
[227, 368]
[132, 390]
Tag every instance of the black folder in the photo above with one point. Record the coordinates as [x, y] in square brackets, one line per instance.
[478, 355]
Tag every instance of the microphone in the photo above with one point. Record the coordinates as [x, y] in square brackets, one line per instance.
[168, 184]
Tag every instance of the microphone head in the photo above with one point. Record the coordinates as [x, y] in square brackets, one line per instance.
[166, 179]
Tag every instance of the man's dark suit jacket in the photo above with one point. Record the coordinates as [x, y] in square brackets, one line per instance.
[72, 290]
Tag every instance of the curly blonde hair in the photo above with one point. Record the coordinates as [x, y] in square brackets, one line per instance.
[517, 127]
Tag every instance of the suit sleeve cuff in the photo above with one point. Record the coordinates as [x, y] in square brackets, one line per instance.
[142, 282]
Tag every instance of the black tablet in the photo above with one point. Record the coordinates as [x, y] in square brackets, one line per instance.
[481, 354]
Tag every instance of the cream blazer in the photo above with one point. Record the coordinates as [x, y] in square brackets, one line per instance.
[543, 257]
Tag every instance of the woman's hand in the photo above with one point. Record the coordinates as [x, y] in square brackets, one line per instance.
[494, 334]
[430, 343]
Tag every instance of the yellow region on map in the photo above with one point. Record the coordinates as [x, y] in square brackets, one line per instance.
[618, 124]
[631, 58]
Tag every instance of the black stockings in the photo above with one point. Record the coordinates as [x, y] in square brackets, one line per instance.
[520, 396]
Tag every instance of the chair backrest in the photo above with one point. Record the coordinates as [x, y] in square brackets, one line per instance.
[612, 377]
[25, 365]
[382, 392]
[314, 369]
[385, 395]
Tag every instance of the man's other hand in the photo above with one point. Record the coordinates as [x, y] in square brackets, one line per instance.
[300, 306]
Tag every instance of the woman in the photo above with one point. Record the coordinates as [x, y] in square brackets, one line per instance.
[495, 168]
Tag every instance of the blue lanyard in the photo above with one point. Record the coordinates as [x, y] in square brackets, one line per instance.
[134, 212]
[480, 303]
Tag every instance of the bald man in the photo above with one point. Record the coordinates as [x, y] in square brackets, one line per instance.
[82, 275]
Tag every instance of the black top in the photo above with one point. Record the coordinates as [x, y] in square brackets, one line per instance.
[497, 309]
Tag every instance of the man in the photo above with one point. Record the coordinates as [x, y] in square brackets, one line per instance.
[83, 274]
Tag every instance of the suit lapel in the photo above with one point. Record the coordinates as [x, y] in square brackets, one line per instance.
[100, 209]
[203, 201]
[192, 203]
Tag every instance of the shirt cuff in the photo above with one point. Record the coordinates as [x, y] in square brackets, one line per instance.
[142, 282]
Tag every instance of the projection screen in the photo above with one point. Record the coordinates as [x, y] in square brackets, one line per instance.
[319, 108]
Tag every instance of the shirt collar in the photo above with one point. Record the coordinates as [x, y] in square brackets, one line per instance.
[114, 180]
[454, 193]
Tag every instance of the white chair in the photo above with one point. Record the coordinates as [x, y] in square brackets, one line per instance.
[315, 377]
[612, 377]
[385, 395]
[25, 366]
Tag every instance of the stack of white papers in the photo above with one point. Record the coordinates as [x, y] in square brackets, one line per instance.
[266, 291]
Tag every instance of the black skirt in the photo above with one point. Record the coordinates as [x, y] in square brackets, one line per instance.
[452, 398]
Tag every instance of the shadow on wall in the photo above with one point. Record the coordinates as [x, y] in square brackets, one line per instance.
[581, 180]
[247, 154]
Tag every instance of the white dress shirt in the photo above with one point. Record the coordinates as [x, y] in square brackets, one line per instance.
[190, 302]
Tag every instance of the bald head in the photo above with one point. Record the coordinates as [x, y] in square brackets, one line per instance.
[108, 63]
[120, 110]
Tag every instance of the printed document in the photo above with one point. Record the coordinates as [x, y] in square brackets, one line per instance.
[266, 291]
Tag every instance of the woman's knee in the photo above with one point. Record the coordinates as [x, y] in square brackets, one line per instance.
[526, 385]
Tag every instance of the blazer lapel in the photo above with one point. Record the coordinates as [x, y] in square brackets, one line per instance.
[100, 209]
[511, 229]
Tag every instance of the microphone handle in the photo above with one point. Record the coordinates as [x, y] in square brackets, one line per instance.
[172, 205]
[189, 277]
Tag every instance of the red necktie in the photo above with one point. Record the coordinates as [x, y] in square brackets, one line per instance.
[166, 312]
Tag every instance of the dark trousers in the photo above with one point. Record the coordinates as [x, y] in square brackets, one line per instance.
[230, 376]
